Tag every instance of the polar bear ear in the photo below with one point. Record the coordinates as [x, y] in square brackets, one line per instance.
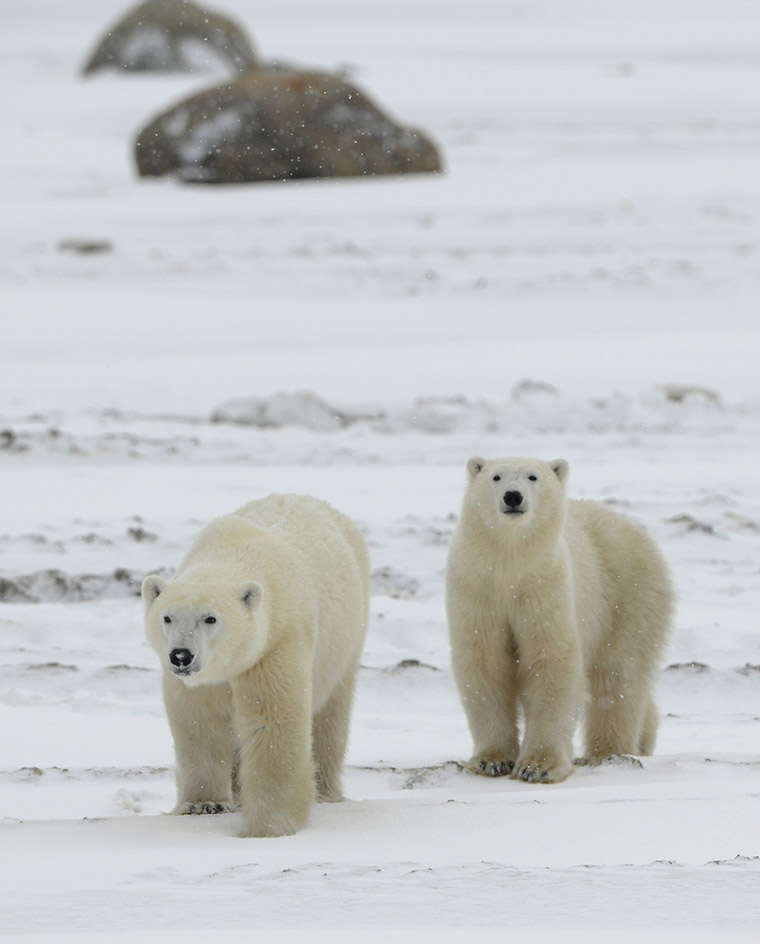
[475, 465]
[561, 469]
[152, 587]
[250, 595]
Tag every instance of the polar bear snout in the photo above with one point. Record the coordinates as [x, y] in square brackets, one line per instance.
[181, 661]
[513, 502]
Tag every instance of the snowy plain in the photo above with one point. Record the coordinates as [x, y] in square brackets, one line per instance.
[582, 281]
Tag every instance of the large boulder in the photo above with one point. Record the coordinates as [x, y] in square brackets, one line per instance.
[172, 36]
[280, 125]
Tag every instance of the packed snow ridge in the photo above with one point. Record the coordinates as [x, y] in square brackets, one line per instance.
[532, 406]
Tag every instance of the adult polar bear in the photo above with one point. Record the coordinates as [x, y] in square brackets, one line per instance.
[553, 605]
[259, 634]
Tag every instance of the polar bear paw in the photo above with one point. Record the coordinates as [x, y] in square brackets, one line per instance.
[490, 764]
[205, 807]
[542, 770]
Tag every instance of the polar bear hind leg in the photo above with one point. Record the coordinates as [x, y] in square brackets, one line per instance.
[621, 717]
[330, 737]
[648, 736]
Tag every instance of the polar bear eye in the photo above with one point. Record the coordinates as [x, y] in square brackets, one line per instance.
[167, 619]
[497, 478]
[532, 478]
[210, 620]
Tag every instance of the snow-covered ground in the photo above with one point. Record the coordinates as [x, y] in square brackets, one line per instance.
[583, 281]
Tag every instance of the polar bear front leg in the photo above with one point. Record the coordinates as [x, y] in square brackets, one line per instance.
[200, 721]
[485, 671]
[552, 686]
[273, 724]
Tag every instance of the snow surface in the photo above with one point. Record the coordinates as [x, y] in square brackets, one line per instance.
[582, 281]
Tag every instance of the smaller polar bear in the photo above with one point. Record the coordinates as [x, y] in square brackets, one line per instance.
[556, 607]
[259, 635]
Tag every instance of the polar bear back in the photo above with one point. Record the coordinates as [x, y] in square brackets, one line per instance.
[329, 567]
[275, 532]
[617, 570]
[307, 523]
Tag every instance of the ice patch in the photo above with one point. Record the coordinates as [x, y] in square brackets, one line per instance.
[207, 136]
[147, 48]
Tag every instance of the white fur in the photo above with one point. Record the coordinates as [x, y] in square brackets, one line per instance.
[557, 608]
[265, 620]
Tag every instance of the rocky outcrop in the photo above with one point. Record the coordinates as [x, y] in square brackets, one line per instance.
[280, 125]
[172, 36]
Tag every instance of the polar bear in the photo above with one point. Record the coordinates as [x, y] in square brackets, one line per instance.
[259, 635]
[557, 608]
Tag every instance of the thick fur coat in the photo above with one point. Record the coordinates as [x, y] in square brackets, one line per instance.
[259, 635]
[558, 610]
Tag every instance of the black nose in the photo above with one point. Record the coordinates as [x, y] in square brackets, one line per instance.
[180, 658]
[513, 499]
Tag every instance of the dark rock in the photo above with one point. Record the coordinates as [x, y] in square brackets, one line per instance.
[55, 586]
[387, 581]
[683, 393]
[172, 36]
[688, 667]
[280, 125]
[85, 247]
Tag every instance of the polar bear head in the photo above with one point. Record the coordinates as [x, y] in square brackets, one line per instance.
[518, 495]
[204, 633]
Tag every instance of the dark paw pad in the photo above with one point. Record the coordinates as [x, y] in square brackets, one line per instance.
[207, 807]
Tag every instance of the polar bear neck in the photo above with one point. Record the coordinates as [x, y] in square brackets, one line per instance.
[512, 546]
